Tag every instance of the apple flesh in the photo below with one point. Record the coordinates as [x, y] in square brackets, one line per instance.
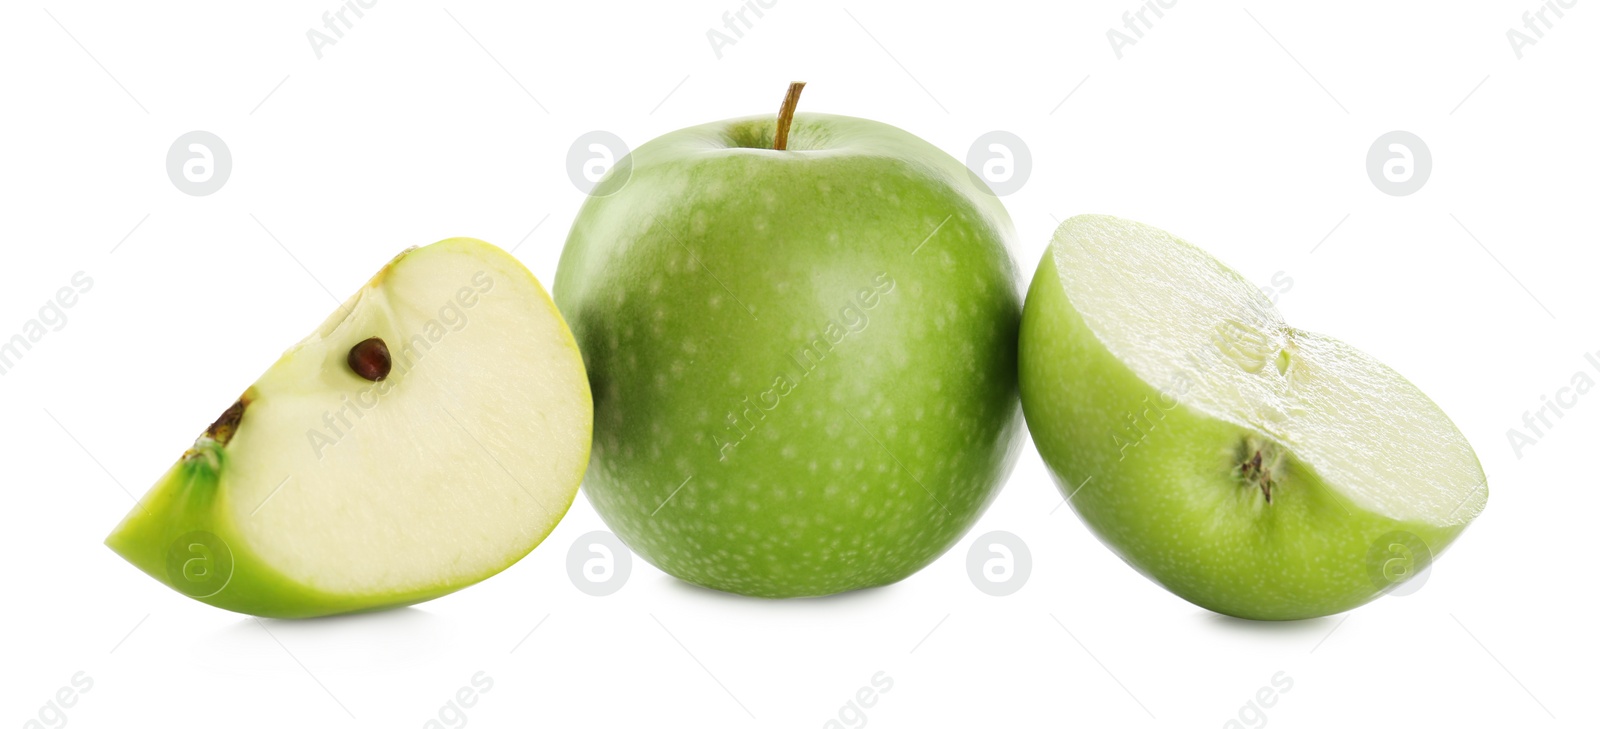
[803, 360]
[428, 435]
[1252, 468]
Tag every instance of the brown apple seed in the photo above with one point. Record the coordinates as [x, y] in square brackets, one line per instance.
[370, 359]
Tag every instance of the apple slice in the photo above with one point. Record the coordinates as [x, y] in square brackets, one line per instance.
[1252, 468]
[428, 435]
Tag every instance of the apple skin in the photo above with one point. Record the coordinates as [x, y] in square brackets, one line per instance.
[183, 502]
[721, 455]
[1168, 505]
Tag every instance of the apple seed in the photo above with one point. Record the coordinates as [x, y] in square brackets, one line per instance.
[370, 359]
[221, 431]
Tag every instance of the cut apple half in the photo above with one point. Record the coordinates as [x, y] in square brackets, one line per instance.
[1251, 467]
[428, 435]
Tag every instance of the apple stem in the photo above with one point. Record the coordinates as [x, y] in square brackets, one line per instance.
[780, 141]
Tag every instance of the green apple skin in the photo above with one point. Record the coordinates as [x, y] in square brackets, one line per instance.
[183, 502]
[1169, 505]
[721, 455]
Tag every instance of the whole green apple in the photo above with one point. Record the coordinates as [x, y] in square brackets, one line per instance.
[803, 359]
[1251, 468]
[429, 434]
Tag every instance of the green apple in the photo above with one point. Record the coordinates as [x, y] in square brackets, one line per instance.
[428, 435]
[1252, 468]
[803, 359]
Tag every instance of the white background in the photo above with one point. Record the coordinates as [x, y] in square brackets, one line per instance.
[426, 122]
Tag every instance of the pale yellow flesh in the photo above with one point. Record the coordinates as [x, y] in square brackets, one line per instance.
[451, 468]
[1208, 338]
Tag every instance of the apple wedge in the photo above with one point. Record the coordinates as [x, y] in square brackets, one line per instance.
[428, 435]
[1252, 468]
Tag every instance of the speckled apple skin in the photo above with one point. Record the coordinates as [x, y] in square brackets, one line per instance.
[803, 361]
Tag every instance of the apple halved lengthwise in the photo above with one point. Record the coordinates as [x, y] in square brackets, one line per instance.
[1252, 468]
[428, 435]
